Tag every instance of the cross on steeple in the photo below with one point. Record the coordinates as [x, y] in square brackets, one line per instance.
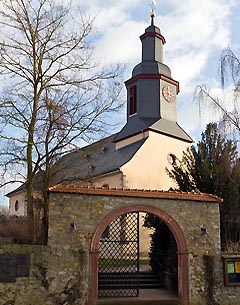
[153, 6]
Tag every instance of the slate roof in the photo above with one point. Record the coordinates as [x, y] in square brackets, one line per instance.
[90, 161]
[151, 68]
[93, 160]
[136, 124]
[141, 193]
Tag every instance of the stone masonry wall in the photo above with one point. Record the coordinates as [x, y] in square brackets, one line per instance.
[59, 272]
[56, 276]
[26, 290]
[87, 211]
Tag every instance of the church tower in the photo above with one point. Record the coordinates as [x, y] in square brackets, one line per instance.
[150, 141]
[151, 92]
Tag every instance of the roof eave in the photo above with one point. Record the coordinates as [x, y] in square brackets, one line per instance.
[151, 194]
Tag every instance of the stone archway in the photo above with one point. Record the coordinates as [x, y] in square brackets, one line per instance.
[183, 258]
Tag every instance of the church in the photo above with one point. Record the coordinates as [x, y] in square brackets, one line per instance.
[97, 194]
[150, 141]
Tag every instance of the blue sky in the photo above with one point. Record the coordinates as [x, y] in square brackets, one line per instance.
[196, 32]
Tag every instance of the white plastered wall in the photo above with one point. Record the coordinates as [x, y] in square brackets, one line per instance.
[144, 237]
[112, 180]
[20, 197]
[146, 170]
[22, 202]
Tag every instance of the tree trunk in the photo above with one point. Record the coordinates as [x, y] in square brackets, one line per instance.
[30, 172]
[45, 204]
[30, 211]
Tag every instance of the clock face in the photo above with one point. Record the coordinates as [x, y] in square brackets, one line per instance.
[168, 93]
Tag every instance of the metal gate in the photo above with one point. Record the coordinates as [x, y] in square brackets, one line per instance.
[118, 262]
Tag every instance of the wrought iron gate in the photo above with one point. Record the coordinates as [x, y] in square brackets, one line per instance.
[118, 263]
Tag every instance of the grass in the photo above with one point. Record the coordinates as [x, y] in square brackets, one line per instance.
[102, 262]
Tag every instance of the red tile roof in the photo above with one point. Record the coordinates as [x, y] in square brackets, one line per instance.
[140, 193]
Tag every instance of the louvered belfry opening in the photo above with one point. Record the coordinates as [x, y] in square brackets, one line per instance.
[133, 100]
[118, 263]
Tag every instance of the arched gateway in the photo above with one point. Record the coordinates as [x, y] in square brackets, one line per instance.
[93, 209]
[183, 259]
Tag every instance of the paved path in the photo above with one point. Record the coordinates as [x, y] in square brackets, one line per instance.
[147, 294]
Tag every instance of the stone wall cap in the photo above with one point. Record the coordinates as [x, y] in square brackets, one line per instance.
[140, 193]
[231, 255]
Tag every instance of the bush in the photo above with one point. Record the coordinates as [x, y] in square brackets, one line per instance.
[17, 228]
[3, 210]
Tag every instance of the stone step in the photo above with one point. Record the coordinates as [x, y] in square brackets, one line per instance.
[147, 280]
[145, 276]
[138, 302]
[150, 285]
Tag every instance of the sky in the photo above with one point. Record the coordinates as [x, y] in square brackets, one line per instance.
[196, 32]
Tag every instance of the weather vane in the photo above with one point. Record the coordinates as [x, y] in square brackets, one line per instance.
[153, 6]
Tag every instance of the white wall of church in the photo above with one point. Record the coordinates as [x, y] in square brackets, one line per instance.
[17, 204]
[147, 168]
[132, 139]
[111, 180]
[144, 238]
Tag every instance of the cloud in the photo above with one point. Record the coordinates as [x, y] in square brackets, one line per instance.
[192, 29]
[187, 66]
[119, 44]
[4, 201]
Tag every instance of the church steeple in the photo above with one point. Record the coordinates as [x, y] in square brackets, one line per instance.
[152, 15]
[152, 44]
[144, 88]
[152, 52]
[152, 40]
[153, 7]
[151, 91]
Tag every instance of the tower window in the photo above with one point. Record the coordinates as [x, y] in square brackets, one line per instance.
[133, 100]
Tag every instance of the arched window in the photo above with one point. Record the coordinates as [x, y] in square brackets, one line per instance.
[16, 205]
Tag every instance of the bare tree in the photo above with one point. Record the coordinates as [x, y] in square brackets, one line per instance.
[53, 94]
[228, 109]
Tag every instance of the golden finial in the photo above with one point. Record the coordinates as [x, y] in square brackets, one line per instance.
[153, 6]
